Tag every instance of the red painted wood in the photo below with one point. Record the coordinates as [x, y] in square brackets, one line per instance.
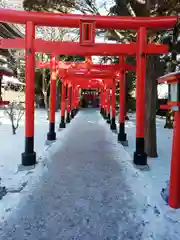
[140, 83]
[174, 189]
[30, 83]
[74, 48]
[72, 20]
[122, 95]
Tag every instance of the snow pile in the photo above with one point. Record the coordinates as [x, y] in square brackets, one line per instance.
[11, 80]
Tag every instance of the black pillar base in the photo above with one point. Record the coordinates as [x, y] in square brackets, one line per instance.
[28, 158]
[105, 115]
[72, 114]
[62, 123]
[68, 119]
[122, 137]
[113, 124]
[140, 157]
[108, 118]
[51, 136]
[75, 111]
[101, 111]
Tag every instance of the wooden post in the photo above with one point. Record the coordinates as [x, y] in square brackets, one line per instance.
[29, 156]
[140, 157]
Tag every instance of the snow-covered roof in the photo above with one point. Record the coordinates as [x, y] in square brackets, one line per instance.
[11, 80]
[170, 74]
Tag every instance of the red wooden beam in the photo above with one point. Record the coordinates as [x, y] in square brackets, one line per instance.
[169, 78]
[129, 67]
[86, 83]
[88, 76]
[90, 72]
[73, 48]
[112, 67]
[73, 20]
[90, 85]
[42, 64]
[90, 82]
[66, 65]
[156, 48]
[165, 107]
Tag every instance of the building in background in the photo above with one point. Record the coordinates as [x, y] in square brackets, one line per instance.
[8, 60]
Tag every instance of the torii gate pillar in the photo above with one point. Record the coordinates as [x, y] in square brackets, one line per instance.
[72, 101]
[113, 105]
[51, 136]
[108, 107]
[68, 117]
[29, 156]
[122, 135]
[76, 100]
[63, 107]
[105, 103]
[102, 101]
[140, 157]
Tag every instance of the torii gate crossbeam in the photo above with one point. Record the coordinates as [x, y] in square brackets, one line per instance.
[73, 48]
[73, 20]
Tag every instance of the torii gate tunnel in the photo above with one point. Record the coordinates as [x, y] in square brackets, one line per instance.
[86, 47]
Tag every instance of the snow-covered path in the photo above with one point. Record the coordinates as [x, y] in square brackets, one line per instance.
[84, 194]
[89, 189]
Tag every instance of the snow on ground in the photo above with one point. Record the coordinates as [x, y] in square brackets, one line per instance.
[159, 166]
[161, 220]
[14, 178]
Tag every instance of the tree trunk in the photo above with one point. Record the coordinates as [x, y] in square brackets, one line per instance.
[44, 91]
[46, 103]
[154, 70]
[13, 129]
[1, 87]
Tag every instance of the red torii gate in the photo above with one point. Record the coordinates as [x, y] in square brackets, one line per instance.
[81, 78]
[66, 73]
[86, 46]
[84, 72]
[121, 68]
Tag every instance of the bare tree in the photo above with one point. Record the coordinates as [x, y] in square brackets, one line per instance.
[55, 34]
[14, 111]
